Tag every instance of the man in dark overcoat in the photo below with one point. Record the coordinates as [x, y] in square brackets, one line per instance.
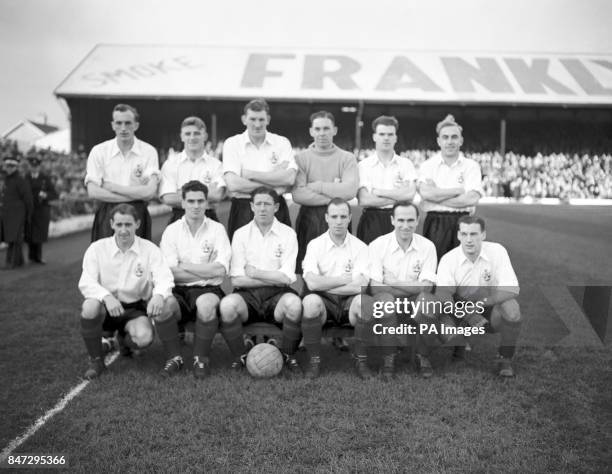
[43, 191]
[15, 212]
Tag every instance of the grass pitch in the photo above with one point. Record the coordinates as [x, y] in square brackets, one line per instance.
[556, 415]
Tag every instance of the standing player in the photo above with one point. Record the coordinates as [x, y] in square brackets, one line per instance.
[124, 169]
[253, 159]
[384, 179]
[324, 172]
[191, 164]
[403, 265]
[450, 185]
[481, 271]
[43, 191]
[262, 268]
[335, 269]
[198, 252]
[15, 211]
[125, 281]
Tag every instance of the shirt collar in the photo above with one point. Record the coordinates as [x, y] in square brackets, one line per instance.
[330, 244]
[275, 229]
[245, 140]
[483, 255]
[186, 225]
[460, 159]
[377, 160]
[136, 147]
[395, 246]
[313, 149]
[182, 157]
[135, 248]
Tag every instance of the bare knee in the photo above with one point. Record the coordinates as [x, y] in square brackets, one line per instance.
[355, 312]
[141, 332]
[229, 308]
[290, 306]
[511, 311]
[91, 309]
[312, 307]
[170, 310]
[206, 306]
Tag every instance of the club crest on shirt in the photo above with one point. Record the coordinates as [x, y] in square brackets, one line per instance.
[273, 158]
[417, 267]
[278, 252]
[486, 275]
[460, 178]
[139, 270]
[348, 268]
[399, 180]
[138, 171]
[207, 178]
[206, 247]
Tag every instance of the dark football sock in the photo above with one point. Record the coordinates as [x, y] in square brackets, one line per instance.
[313, 332]
[204, 335]
[509, 335]
[388, 341]
[291, 336]
[232, 333]
[91, 330]
[362, 337]
[168, 334]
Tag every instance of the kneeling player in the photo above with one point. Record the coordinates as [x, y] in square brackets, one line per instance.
[198, 252]
[118, 273]
[403, 265]
[481, 272]
[262, 268]
[335, 269]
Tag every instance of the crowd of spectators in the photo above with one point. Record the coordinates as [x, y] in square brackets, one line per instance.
[556, 175]
[67, 171]
[513, 175]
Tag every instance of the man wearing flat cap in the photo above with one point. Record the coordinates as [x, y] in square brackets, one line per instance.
[43, 191]
[450, 185]
[15, 212]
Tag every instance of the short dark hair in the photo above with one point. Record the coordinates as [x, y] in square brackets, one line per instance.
[338, 202]
[194, 186]
[322, 114]
[127, 108]
[265, 190]
[125, 209]
[405, 204]
[196, 121]
[257, 105]
[385, 120]
[472, 220]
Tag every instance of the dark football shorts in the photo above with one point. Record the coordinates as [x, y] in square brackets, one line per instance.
[131, 311]
[187, 296]
[464, 320]
[336, 307]
[261, 302]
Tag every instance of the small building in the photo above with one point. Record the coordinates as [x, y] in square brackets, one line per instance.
[27, 132]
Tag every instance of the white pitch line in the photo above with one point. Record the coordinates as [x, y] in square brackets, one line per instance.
[13, 445]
